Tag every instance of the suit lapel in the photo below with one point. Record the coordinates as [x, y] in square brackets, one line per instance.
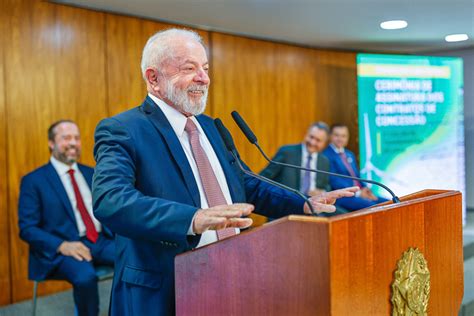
[158, 119]
[87, 175]
[222, 155]
[55, 181]
[337, 159]
[295, 159]
[319, 177]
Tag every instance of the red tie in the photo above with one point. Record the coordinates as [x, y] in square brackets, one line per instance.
[212, 189]
[349, 168]
[91, 232]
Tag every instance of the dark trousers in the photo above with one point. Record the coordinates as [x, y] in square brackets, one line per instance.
[81, 274]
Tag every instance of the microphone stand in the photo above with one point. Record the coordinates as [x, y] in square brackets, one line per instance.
[229, 143]
[253, 139]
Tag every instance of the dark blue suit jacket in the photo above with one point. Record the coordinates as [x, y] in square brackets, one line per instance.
[336, 165]
[144, 190]
[46, 217]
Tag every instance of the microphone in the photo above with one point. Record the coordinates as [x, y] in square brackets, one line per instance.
[253, 139]
[229, 144]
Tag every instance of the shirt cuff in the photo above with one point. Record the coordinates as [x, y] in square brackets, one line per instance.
[190, 229]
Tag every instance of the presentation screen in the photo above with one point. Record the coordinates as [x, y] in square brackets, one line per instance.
[411, 131]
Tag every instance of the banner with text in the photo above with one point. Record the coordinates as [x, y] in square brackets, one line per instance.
[411, 131]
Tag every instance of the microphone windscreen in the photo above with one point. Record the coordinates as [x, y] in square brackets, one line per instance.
[244, 127]
[225, 135]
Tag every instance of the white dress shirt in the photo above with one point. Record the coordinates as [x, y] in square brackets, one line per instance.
[313, 163]
[62, 170]
[178, 122]
[337, 150]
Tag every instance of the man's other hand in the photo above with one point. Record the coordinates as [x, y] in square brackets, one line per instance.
[222, 216]
[75, 249]
[367, 194]
[323, 203]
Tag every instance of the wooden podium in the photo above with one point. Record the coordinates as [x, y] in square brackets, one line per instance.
[344, 265]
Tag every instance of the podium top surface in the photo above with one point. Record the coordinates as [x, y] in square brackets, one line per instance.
[414, 198]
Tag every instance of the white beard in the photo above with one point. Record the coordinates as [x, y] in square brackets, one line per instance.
[179, 98]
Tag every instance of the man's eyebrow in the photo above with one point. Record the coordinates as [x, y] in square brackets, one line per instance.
[188, 61]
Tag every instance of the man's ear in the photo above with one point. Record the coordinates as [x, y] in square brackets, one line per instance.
[50, 145]
[152, 78]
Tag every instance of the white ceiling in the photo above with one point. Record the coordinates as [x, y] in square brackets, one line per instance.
[341, 24]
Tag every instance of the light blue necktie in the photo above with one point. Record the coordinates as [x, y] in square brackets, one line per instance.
[307, 176]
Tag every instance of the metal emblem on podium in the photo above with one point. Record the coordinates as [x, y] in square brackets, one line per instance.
[411, 286]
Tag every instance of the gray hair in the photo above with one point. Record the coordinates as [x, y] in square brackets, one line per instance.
[320, 125]
[158, 47]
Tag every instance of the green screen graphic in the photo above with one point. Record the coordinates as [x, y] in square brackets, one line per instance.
[411, 131]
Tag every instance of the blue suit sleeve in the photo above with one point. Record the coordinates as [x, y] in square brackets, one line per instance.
[270, 200]
[336, 182]
[336, 166]
[29, 220]
[120, 205]
[356, 168]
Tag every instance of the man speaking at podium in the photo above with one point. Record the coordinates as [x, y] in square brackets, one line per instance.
[164, 182]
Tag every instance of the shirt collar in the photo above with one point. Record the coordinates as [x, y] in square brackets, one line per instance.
[337, 150]
[62, 168]
[306, 153]
[174, 117]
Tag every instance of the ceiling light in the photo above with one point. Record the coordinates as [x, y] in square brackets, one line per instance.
[394, 24]
[456, 38]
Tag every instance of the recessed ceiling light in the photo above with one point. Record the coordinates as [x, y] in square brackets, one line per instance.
[456, 38]
[394, 24]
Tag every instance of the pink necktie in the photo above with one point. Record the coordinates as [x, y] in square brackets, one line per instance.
[211, 186]
[91, 232]
[349, 168]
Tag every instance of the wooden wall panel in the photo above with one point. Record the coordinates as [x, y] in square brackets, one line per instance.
[280, 90]
[5, 285]
[296, 107]
[336, 90]
[54, 66]
[125, 39]
[243, 79]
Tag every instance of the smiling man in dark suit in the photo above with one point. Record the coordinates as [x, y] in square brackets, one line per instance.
[306, 154]
[164, 182]
[56, 220]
